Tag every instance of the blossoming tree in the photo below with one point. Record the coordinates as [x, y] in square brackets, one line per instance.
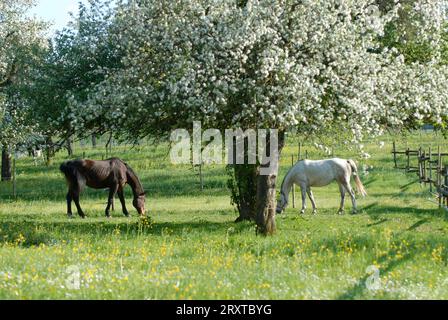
[21, 38]
[304, 64]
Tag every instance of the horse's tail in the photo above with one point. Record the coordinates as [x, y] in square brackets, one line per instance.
[359, 185]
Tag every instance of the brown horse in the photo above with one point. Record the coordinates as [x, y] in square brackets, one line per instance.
[111, 173]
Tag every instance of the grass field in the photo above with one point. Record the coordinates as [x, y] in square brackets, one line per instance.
[191, 249]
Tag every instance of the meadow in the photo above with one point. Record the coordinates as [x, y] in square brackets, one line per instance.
[190, 248]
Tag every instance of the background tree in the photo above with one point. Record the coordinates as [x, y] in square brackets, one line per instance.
[74, 62]
[21, 39]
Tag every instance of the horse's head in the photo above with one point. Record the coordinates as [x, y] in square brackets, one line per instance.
[139, 204]
[282, 203]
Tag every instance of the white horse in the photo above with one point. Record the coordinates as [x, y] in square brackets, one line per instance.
[319, 173]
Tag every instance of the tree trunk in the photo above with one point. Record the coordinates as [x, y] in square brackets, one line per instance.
[266, 204]
[69, 147]
[93, 141]
[243, 185]
[245, 190]
[254, 193]
[6, 165]
[266, 191]
[49, 150]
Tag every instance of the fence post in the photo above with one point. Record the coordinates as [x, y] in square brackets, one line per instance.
[419, 155]
[430, 170]
[201, 179]
[14, 182]
[395, 153]
[424, 167]
[408, 160]
[443, 186]
[439, 177]
[293, 187]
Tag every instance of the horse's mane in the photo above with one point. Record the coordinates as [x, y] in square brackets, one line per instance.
[287, 174]
[135, 180]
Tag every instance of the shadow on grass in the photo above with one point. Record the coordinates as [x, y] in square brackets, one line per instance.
[375, 210]
[377, 222]
[29, 232]
[408, 185]
[368, 182]
[418, 224]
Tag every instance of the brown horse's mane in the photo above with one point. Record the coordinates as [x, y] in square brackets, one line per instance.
[134, 181]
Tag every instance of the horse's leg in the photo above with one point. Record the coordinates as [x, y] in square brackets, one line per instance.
[313, 202]
[342, 191]
[303, 189]
[69, 204]
[123, 201]
[349, 189]
[112, 191]
[75, 196]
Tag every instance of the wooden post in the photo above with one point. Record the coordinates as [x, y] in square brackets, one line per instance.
[419, 155]
[395, 154]
[14, 182]
[408, 160]
[293, 187]
[306, 154]
[200, 176]
[439, 178]
[439, 165]
[430, 170]
[445, 184]
[424, 167]
[300, 152]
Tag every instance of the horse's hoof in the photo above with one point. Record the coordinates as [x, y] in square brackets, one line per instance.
[354, 212]
[340, 212]
[314, 212]
[302, 212]
[70, 216]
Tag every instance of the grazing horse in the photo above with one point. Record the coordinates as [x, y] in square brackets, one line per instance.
[319, 173]
[111, 173]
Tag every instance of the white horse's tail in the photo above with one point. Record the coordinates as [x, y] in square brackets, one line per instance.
[359, 185]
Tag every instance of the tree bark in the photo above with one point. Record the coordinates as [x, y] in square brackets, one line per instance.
[6, 165]
[246, 189]
[266, 204]
[49, 150]
[69, 147]
[243, 185]
[93, 141]
[266, 191]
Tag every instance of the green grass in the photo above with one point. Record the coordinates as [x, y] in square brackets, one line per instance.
[191, 249]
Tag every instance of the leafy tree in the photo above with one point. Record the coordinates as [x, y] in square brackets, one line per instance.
[74, 62]
[21, 40]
